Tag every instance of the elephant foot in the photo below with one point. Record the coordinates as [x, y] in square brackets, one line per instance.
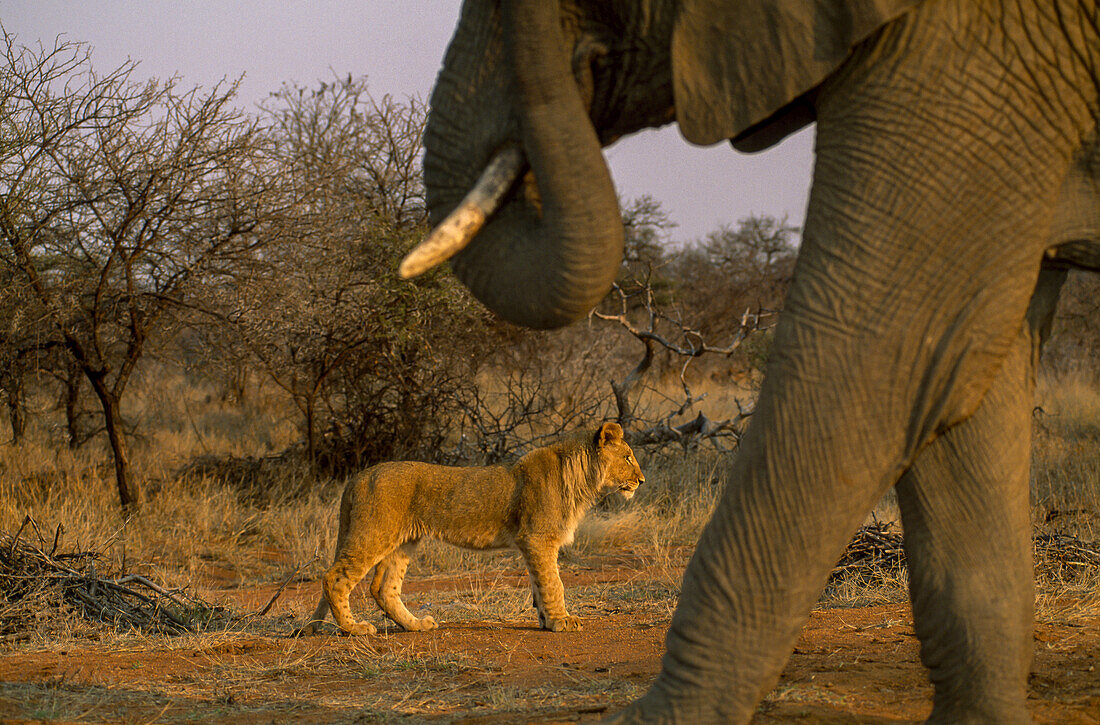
[632, 714]
[976, 711]
[667, 704]
[647, 711]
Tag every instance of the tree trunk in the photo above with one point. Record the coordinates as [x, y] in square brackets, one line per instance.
[112, 418]
[311, 441]
[71, 401]
[622, 391]
[17, 413]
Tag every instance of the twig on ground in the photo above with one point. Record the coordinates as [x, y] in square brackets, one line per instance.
[279, 591]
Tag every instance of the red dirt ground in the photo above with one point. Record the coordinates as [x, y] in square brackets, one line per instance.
[851, 665]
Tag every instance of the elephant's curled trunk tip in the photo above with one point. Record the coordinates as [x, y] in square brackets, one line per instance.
[466, 220]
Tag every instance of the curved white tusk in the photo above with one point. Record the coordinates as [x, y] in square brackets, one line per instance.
[467, 219]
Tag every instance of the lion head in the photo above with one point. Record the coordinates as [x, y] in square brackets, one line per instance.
[622, 472]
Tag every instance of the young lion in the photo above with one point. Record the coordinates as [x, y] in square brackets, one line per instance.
[534, 505]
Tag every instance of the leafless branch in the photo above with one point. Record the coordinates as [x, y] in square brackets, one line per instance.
[659, 329]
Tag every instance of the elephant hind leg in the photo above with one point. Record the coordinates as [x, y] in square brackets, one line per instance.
[965, 508]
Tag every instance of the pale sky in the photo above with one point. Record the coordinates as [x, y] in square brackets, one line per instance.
[398, 45]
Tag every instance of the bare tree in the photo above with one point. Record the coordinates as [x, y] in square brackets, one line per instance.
[542, 383]
[646, 233]
[119, 194]
[530, 391]
[667, 298]
[24, 340]
[733, 269]
[662, 330]
[366, 358]
[347, 155]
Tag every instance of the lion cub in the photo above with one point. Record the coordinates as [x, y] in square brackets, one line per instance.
[534, 505]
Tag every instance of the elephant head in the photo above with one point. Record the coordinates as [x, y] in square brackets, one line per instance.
[559, 82]
[946, 130]
[550, 253]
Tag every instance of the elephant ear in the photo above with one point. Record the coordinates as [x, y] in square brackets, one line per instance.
[740, 68]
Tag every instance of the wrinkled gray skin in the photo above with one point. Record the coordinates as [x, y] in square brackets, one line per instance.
[956, 151]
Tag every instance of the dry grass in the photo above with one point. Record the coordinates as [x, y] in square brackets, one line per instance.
[191, 529]
[222, 527]
[208, 529]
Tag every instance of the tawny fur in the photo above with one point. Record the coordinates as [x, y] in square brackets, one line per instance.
[534, 505]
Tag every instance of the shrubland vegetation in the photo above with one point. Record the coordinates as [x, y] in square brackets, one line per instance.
[202, 333]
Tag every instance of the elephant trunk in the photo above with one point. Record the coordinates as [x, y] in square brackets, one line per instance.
[551, 252]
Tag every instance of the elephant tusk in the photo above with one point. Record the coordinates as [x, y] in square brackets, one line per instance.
[462, 225]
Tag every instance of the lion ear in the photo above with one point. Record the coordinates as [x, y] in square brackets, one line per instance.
[608, 433]
[738, 66]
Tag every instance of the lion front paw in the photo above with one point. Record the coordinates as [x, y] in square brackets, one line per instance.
[568, 623]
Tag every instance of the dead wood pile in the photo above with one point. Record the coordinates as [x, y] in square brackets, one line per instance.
[876, 554]
[43, 587]
[1061, 557]
[873, 555]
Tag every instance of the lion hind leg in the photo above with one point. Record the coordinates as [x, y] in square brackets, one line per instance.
[341, 578]
[310, 627]
[389, 574]
[319, 614]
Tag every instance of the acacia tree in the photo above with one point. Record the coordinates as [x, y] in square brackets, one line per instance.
[365, 357]
[734, 269]
[119, 196]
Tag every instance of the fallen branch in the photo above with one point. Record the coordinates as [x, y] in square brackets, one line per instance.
[876, 552]
[1065, 558]
[275, 597]
[33, 581]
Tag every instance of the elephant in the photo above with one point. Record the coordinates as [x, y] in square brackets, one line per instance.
[955, 181]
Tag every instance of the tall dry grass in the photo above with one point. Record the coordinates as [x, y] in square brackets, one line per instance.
[195, 527]
[208, 528]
